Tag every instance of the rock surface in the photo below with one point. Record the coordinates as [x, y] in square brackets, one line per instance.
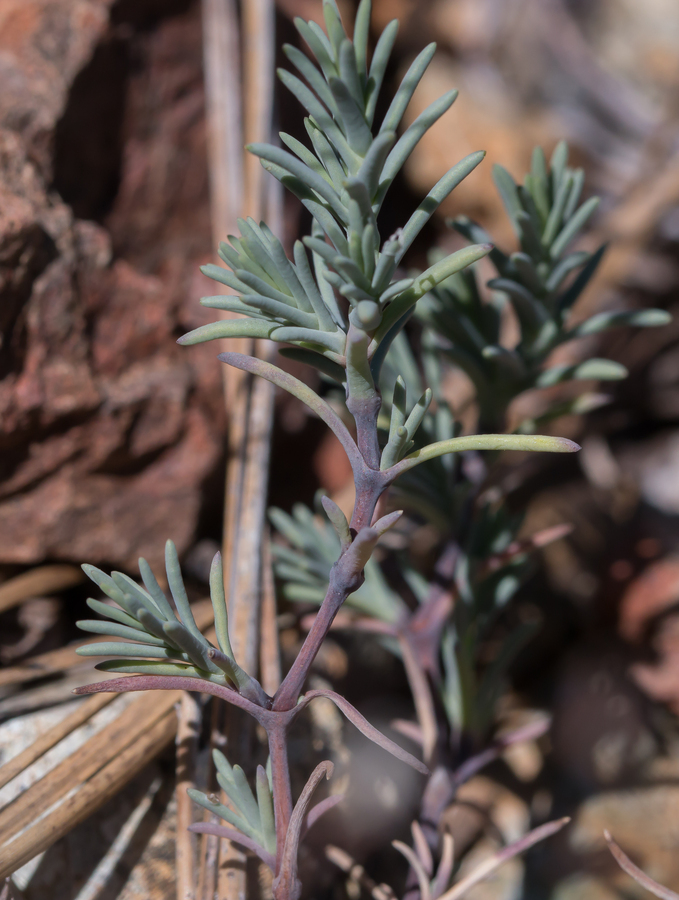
[108, 430]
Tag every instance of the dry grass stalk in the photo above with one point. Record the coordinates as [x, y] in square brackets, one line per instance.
[55, 662]
[269, 647]
[37, 583]
[187, 745]
[232, 121]
[94, 772]
[45, 742]
[121, 767]
[136, 719]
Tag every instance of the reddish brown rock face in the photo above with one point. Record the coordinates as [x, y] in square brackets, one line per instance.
[108, 430]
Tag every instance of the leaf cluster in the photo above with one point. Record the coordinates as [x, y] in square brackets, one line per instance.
[303, 564]
[159, 638]
[253, 812]
[342, 178]
[541, 281]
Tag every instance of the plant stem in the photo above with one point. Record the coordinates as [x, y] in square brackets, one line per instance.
[341, 585]
[365, 413]
[370, 486]
[277, 733]
[344, 580]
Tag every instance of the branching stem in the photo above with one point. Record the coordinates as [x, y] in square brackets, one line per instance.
[277, 735]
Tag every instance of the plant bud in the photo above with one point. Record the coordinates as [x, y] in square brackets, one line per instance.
[368, 314]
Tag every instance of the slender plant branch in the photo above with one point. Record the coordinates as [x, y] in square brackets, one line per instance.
[636, 873]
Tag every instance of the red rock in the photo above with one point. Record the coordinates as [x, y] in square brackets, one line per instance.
[108, 430]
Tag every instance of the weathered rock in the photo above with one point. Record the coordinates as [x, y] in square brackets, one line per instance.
[108, 430]
[44, 44]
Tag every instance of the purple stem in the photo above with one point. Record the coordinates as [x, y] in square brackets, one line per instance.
[321, 809]
[172, 683]
[286, 883]
[280, 781]
[636, 873]
[475, 763]
[305, 394]
[366, 728]
[488, 866]
[231, 834]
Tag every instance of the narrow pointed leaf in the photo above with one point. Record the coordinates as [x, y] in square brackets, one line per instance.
[230, 834]
[309, 71]
[115, 629]
[406, 89]
[154, 589]
[367, 729]
[266, 811]
[378, 66]
[245, 799]
[349, 73]
[412, 135]
[372, 165]
[311, 358]
[354, 124]
[506, 187]
[176, 582]
[319, 46]
[112, 612]
[577, 185]
[294, 334]
[195, 649]
[119, 648]
[333, 25]
[360, 38]
[321, 116]
[564, 268]
[308, 282]
[429, 279]
[556, 215]
[302, 392]
[642, 318]
[305, 155]
[557, 165]
[219, 809]
[598, 369]
[326, 154]
[570, 230]
[534, 442]
[338, 520]
[296, 167]
[226, 328]
[106, 583]
[138, 595]
[394, 448]
[435, 197]
[218, 598]
[569, 297]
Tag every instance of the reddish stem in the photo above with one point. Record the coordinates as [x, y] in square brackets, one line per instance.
[277, 734]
